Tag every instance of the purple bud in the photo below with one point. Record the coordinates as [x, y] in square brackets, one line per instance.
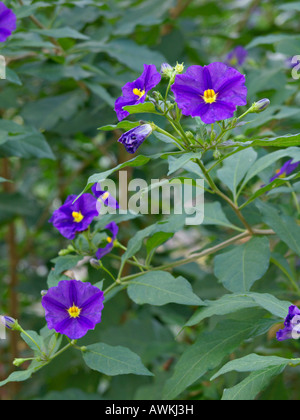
[260, 106]
[166, 70]
[134, 138]
[8, 322]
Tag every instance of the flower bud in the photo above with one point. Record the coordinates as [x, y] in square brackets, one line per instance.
[19, 362]
[166, 70]
[179, 68]
[9, 323]
[95, 263]
[260, 106]
[217, 154]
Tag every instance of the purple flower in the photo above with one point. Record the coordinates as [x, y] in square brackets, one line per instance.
[237, 56]
[72, 218]
[211, 92]
[104, 196]
[113, 228]
[135, 92]
[286, 169]
[135, 137]
[73, 308]
[291, 325]
[8, 22]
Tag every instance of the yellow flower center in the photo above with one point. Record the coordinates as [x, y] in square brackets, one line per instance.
[105, 195]
[109, 240]
[77, 216]
[74, 311]
[283, 175]
[139, 92]
[210, 96]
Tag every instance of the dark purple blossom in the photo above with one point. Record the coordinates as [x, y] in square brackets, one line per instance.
[237, 56]
[113, 229]
[291, 325]
[135, 92]
[135, 137]
[71, 218]
[285, 170]
[73, 308]
[104, 196]
[8, 22]
[211, 92]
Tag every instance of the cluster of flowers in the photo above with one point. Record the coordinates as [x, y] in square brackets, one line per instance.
[212, 93]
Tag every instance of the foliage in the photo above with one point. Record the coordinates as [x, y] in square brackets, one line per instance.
[190, 312]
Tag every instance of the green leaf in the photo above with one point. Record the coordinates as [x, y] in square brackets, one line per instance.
[284, 226]
[14, 205]
[282, 141]
[139, 160]
[23, 375]
[268, 40]
[248, 389]
[295, 5]
[26, 146]
[2, 180]
[235, 168]
[267, 160]
[253, 362]
[146, 107]
[214, 215]
[239, 268]
[125, 51]
[227, 304]
[61, 33]
[102, 93]
[171, 225]
[113, 360]
[147, 13]
[18, 376]
[159, 288]
[45, 113]
[157, 239]
[39, 346]
[273, 305]
[178, 163]
[208, 352]
[125, 125]
[263, 190]
[65, 262]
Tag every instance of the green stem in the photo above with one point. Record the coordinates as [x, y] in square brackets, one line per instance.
[224, 196]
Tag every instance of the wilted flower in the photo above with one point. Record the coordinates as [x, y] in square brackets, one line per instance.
[104, 196]
[73, 308]
[113, 228]
[291, 325]
[8, 22]
[285, 170]
[135, 92]
[237, 56]
[211, 92]
[135, 137]
[71, 218]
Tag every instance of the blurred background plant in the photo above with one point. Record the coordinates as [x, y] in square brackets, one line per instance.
[66, 65]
